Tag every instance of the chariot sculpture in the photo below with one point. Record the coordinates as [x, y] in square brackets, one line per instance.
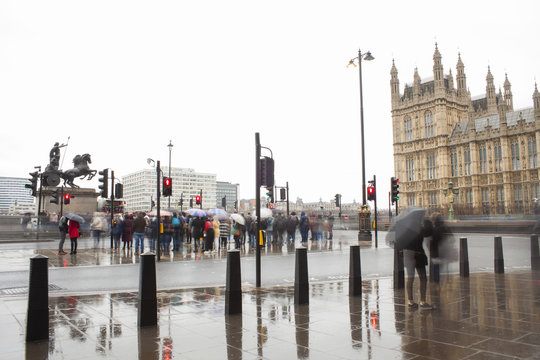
[52, 175]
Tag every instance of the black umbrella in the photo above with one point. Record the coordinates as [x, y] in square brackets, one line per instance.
[407, 227]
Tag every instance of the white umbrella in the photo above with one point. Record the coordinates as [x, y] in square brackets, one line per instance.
[161, 213]
[219, 214]
[238, 218]
[75, 217]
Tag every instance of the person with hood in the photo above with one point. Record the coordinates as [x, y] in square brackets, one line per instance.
[117, 230]
[292, 223]
[304, 228]
[73, 231]
[63, 228]
[127, 231]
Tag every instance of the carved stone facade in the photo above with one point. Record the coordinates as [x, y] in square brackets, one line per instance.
[481, 145]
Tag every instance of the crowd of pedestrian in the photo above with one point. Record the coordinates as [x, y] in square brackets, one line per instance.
[139, 231]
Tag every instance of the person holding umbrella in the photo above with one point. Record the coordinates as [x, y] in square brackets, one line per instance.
[409, 235]
[73, 231]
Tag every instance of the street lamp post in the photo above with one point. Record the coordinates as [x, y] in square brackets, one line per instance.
[170, 149]
[364, 233]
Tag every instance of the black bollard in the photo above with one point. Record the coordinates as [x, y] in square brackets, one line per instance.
[37, 315]
[535, 254]
[399, 269]
[499, 259]
[463, 258]
[233, 291]
[147, 311]
[355, 272]
[301, 279]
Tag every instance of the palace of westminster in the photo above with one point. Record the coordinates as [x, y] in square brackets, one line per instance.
[477, 153]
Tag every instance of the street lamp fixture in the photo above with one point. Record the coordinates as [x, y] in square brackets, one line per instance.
[364, 214]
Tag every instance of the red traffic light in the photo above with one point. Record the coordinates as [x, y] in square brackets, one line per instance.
[67, 198]
[198, 200]
[371, 193]
[167, 181]
[167, 186]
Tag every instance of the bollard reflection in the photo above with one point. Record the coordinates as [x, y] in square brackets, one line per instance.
[233, 335]
[37, 349]
[148, 342]
[355, 314]
[301, 320]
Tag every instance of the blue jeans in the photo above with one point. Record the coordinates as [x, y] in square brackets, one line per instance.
[139, 236]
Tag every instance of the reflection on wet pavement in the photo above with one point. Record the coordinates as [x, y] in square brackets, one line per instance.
[87, 255]
[488, 316]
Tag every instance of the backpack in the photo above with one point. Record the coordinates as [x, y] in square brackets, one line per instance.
[63, 224]
[175, 222]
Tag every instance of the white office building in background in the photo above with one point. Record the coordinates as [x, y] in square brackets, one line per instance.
[140, 189]
[12, 191]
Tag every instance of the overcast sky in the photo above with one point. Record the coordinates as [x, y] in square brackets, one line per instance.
[122, 78]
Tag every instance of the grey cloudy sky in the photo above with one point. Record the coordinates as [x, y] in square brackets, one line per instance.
[122, 78]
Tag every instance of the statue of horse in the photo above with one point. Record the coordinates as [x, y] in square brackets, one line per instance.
[81, 170]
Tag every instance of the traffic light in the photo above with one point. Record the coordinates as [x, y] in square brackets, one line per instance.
[104, 183]
[394, 185]
[55, 195]
[282, 194]
[33, 183]
[371, 193]
[267, 171]
[67, 199]
[338, 200]
[167, 186]
[191, 202]
[224, 202]
[198, 200]
[270, 193]
[119, 191]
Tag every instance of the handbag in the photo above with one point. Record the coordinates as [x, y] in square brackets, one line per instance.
[420, 259]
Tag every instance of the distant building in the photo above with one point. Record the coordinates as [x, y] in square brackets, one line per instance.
[481, 145]
[140, 189]
[12, 191]
[228, 191]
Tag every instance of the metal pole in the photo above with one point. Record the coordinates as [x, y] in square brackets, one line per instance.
[39, 205]
[287, 198]
[170, 149]
[158, 204]
[376, 223]
[112, 206]
[200, 194]
[62, 202]
[362, 128]
[257, 206]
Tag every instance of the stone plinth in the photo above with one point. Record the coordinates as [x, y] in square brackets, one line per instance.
[83, 200]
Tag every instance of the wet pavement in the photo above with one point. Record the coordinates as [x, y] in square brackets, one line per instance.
[488, 316]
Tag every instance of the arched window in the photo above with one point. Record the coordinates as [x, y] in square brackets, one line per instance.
[428, 121]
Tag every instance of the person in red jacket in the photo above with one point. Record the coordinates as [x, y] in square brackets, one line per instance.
[73, 231]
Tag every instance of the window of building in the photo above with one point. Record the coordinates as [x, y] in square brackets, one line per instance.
[431, 170]
[411, 199]
[428, 120]
[514, 147]
[533, 158]
[535, 191]
[410, 168]
[432, 199]
[408, 129]
[468, 197]
[500, 200]
[497, 156]
[467, 161]
[518, 199]
[454, 163]
[482, 157]
[485, 200]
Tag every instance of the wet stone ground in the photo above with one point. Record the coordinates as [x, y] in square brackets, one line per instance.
[485, 317]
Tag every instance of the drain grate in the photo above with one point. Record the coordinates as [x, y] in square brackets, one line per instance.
[24, 290]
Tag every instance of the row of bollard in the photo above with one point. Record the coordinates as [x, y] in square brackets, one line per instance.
[399, 273]
[38, 297]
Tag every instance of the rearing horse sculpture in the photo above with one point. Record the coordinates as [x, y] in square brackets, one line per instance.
[81, 170]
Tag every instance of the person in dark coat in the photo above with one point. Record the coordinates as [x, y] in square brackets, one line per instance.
[197, 229]
[209, 235]
[439, 236]
[304, 228]
[117, 230]
[127, 231]
[414, 258]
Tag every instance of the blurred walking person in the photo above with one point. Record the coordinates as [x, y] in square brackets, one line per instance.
[304, 228]
[127, 231]
[63, 228]
[97, 227]
[224, 233]
[117, 230]
[292, 223]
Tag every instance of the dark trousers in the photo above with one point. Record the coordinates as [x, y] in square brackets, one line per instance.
[73, 244]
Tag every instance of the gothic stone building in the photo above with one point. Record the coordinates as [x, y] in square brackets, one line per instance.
[481, 146]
